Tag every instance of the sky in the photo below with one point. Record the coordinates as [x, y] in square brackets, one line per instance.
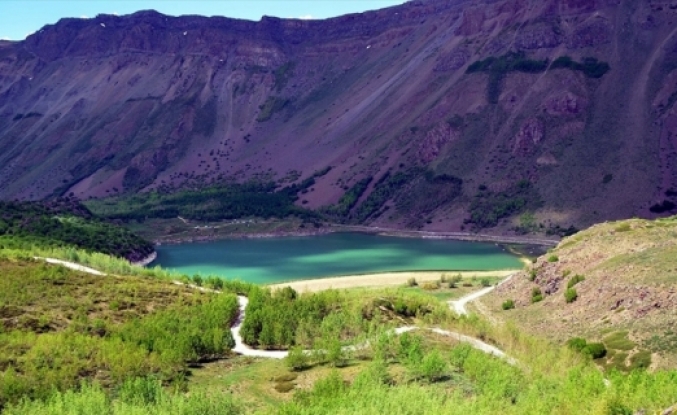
[19, 18]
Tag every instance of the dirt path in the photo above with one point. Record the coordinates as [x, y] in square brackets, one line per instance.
[243, 349]
[459, 305]
[72, 265]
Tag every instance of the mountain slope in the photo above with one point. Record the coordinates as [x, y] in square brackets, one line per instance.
[116, 105]
[624, 277]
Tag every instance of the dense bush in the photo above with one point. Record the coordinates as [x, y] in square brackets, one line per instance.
[508, 304]
[575, 280]
[65, 222]
[180, 335]
[536, 295]
[553, 258]
[136, 396]
[488, 207]
[282, 319]
[595, 350]
[591, 67]
[570, 295]
[665, 206]
[66, 326]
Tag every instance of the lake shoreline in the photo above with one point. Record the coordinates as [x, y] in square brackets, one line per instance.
[382, 279]
[458, 236]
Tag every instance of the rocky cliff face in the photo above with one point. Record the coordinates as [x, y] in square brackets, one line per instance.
[113, 104]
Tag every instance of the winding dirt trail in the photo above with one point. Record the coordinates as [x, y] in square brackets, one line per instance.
[72, 265]
[243, 349]
[458, 306]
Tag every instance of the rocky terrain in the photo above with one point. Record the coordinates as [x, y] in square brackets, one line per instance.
[624, 276]
[455, 114]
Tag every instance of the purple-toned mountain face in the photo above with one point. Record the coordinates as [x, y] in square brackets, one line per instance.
[456, 110]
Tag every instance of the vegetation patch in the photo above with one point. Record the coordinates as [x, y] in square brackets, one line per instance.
[214, 203]
[508, 304]
[66, 327]
[619, 341]
[426, 193]
[575, 280]
[349, 199]
[570, 295]
[594, 350]
[665, 206]
[66, 222]
[498, 67]
[591, 67]
[386, 187]
[283, 74]
[488, 208]
[272, 106]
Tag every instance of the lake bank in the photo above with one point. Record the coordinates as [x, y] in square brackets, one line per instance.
[384, 279]
[210, 233]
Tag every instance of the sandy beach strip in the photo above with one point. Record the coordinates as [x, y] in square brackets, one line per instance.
[383, 279]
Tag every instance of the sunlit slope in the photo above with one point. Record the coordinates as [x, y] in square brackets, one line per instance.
[627, 282]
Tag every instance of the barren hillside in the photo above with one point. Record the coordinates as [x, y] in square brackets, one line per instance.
[447, 113]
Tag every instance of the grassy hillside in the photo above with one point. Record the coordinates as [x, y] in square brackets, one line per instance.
[615, 283]
[132, 342]
[59, 328]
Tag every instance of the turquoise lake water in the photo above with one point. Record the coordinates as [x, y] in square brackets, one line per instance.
[271, 260]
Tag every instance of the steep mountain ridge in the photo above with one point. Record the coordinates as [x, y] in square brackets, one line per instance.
[113, 104]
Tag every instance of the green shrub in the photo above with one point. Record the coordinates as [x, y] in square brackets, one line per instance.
[433, 367]
[284, 387]
[577, 344]
[575, 280]
[553, 258]
[624, 227]
[595, 350]
[431, 286]
[536, 295]
[533, 274]
[297, 359]
[570, 295]
[455, 280]
[485, 282]
[411, 282]
[508, 304]
[615, 407]
[640, 360]
[197, 280]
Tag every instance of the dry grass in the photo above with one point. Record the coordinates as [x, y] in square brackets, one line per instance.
[387, 279]
[42, 297]
[630, 270]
